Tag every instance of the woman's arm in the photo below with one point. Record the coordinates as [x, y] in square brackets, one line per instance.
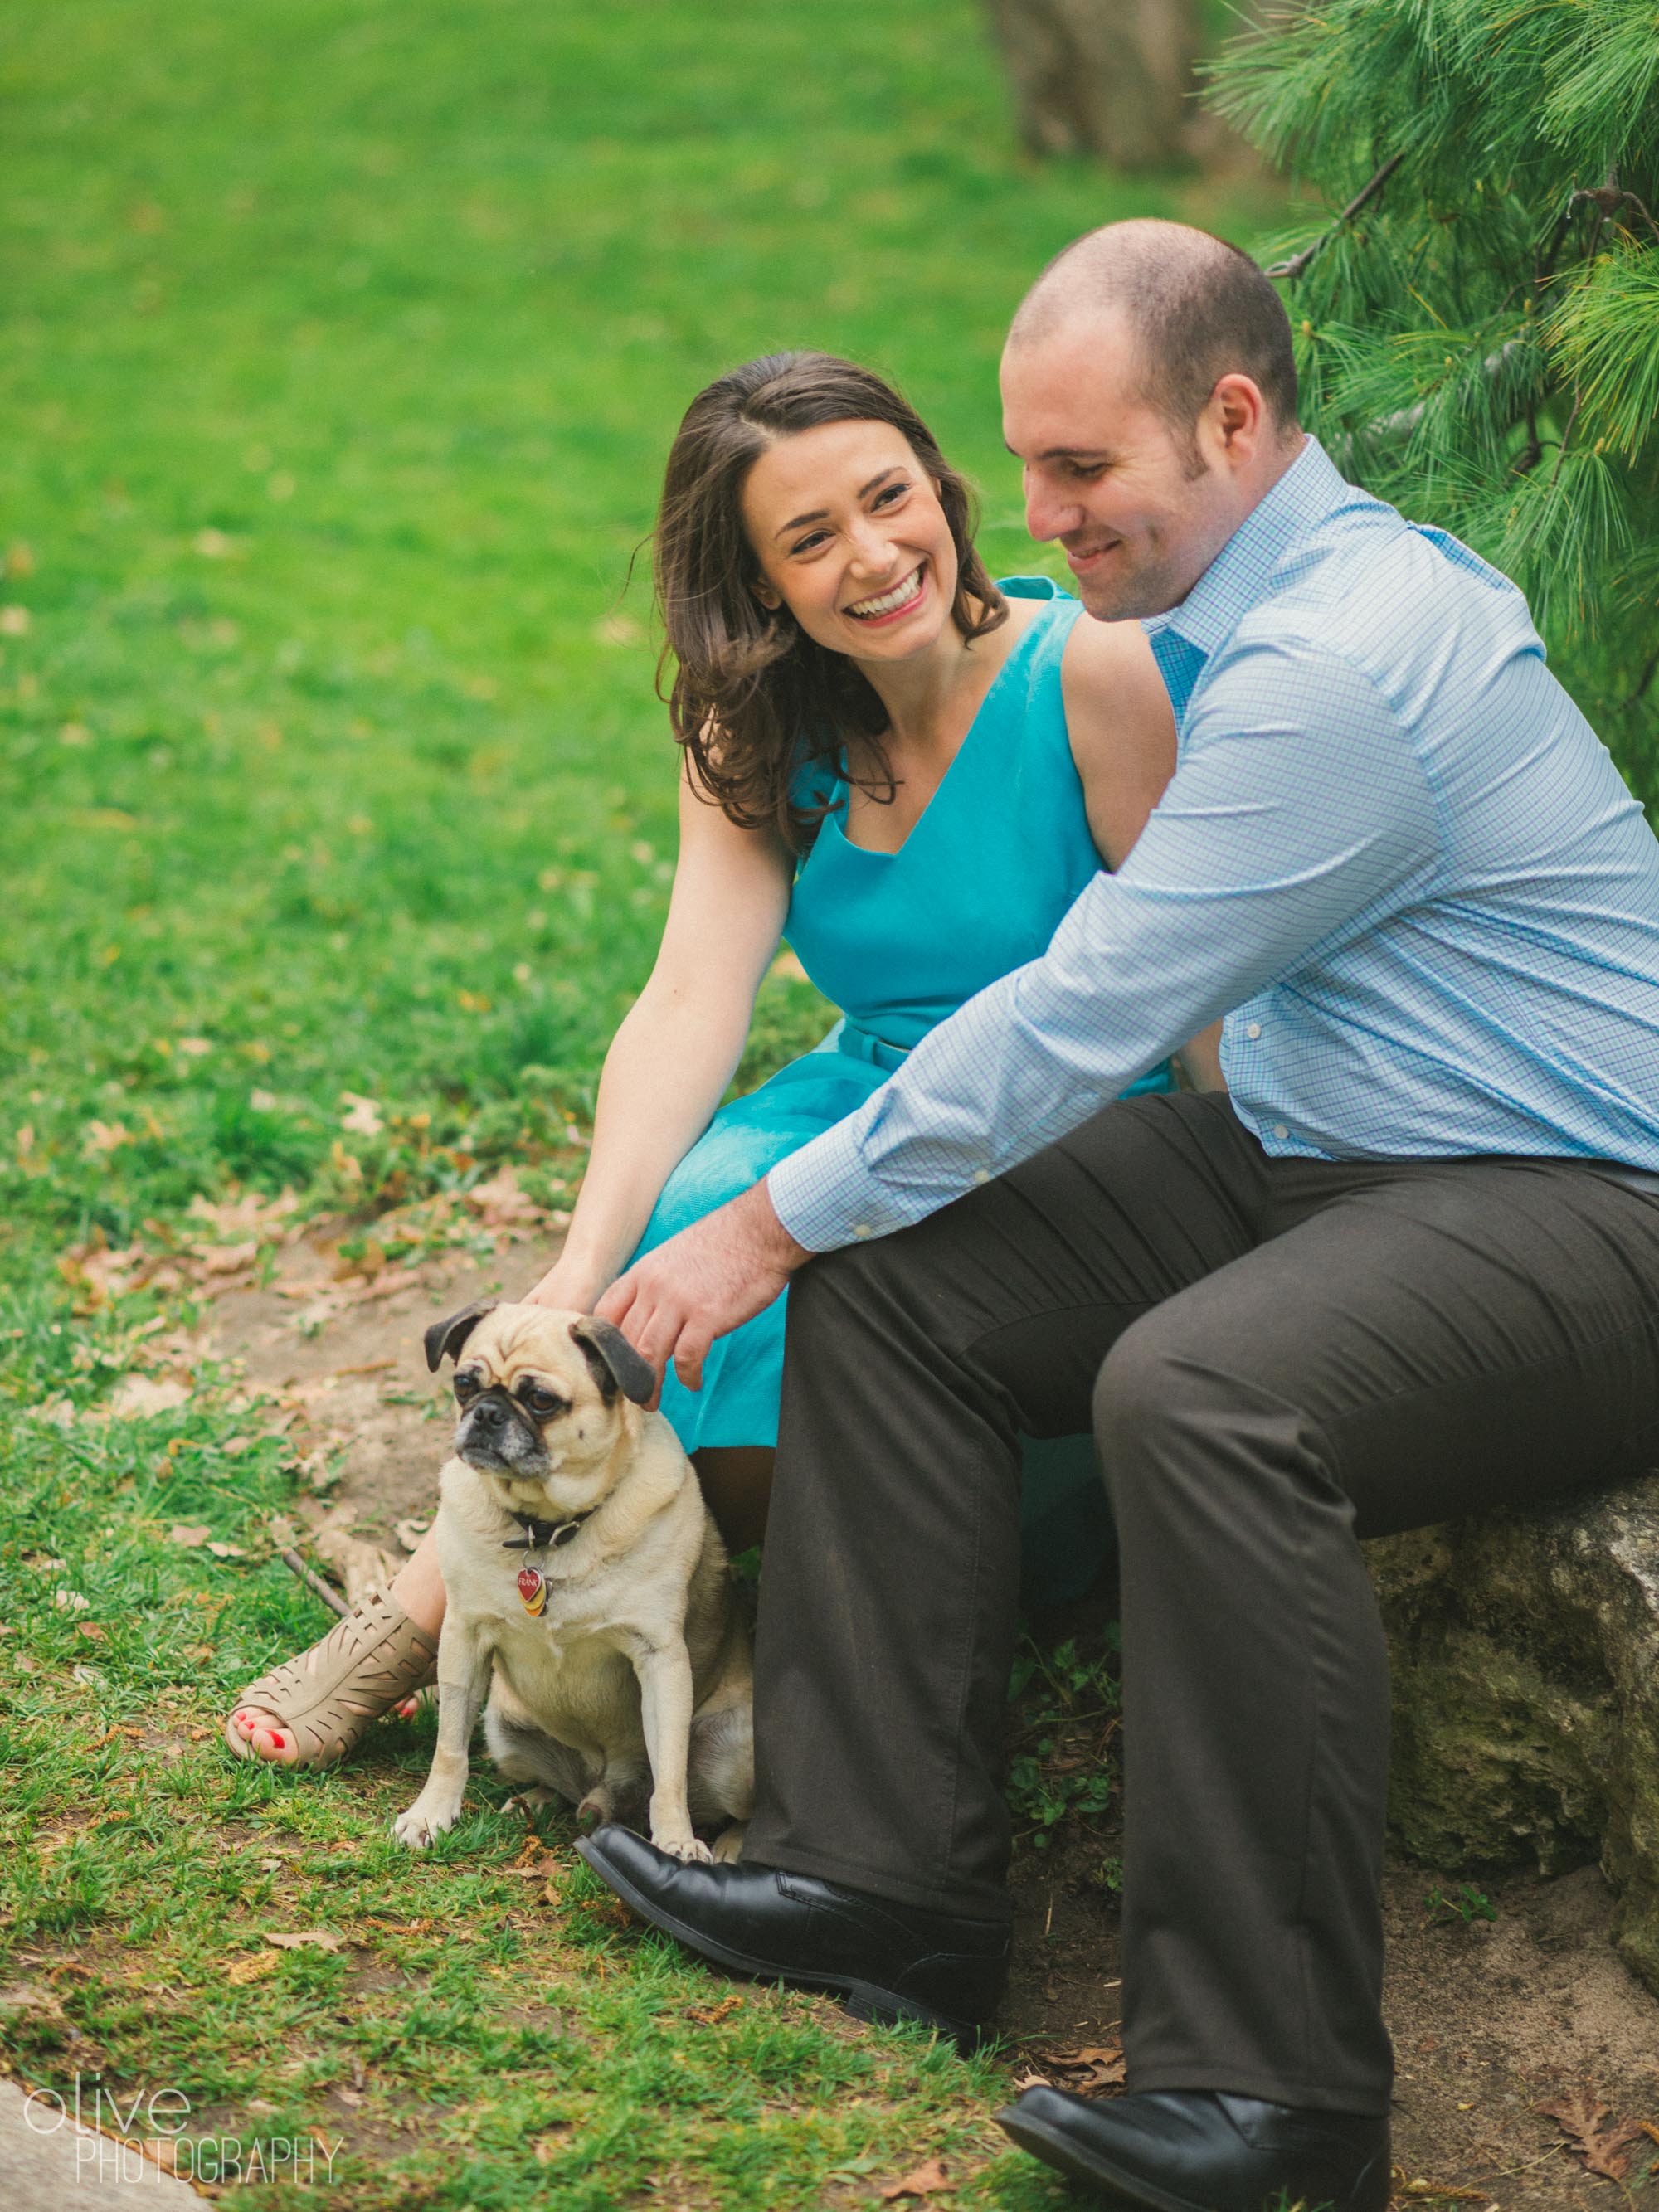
[1123, 741]
[680, 1042]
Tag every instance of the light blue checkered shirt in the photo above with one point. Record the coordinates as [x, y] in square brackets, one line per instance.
[1394, 853]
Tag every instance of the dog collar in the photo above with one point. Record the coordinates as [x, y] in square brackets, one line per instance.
[546, 1535]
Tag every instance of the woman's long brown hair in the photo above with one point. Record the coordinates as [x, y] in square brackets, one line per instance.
[756, 702]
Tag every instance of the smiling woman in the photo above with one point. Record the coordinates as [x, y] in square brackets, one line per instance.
[908, 770]
[801, 490]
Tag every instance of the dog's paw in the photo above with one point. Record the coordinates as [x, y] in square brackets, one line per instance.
[596, 1808]
[417, 1826]
[685, 1847]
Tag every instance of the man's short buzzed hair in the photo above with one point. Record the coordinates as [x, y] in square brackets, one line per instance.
[1199, 309]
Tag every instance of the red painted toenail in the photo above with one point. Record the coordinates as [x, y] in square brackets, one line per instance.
[281, 1742]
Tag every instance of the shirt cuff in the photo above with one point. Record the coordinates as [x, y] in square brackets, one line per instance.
[825, 1196]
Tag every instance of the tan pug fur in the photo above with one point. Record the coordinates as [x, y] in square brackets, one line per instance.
[638, 1673]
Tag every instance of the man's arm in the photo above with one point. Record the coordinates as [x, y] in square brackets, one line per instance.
[1299, 808]
[1299, 805]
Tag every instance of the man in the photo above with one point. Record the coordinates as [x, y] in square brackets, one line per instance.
[1408, 1269]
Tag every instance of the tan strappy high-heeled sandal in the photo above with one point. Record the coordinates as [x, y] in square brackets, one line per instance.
[374, 1657]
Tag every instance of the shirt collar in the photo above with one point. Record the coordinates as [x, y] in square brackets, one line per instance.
[1238, 578]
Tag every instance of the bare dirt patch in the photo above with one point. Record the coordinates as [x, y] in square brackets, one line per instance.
[1491, 2019]
[352, 1385]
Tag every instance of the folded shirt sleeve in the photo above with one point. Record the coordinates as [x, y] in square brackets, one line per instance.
[1300, 808]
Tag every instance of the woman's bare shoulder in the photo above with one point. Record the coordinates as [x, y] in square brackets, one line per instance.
[1105, 660]
[1122, 728]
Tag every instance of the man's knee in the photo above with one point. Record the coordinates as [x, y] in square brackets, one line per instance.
[1142, 1387]
[1167, 1377]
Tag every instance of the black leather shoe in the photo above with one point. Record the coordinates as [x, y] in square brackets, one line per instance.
[1199, 2150]
[886, 1961]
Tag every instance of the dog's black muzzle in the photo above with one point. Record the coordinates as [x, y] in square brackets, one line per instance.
[496, 1433]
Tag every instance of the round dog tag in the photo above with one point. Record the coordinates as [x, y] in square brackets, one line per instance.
[533, 1590]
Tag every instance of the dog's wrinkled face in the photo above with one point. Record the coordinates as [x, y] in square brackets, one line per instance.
[537, 1389]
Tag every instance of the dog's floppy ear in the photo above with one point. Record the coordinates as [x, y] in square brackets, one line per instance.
[615, 1364]
[450, 1336]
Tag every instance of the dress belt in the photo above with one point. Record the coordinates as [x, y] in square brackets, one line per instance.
[861, 1044]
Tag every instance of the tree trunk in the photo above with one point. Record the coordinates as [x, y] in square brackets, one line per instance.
[1113, 78]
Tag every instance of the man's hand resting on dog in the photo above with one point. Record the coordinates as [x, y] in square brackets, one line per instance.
[707, 1281]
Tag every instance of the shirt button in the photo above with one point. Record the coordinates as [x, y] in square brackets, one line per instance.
[1253, 1029]
[981, 1174]
[860, 1229]
[1279, 1130]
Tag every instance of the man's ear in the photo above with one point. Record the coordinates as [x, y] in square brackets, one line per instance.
[447, 1337]
[615, 1364]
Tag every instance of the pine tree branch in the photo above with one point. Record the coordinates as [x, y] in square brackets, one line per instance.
[1405, 419]
[1606, 199]
[1291, 270]
[1634, 698]
[1610, 198]
[1566, 439]
[1533, 451]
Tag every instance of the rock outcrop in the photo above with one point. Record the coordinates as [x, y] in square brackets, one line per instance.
[1525, 1654]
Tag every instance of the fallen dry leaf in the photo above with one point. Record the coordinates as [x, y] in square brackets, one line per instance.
[535, 1862]
[500, 1204]
[191, 1534]
[1582, 2114]
[97, 1274]
[235, 1220]
[707, 2015]
[611, 1910]
[210, 1261]
[362, 1116]
[920, 2183]
[228, 1551]
[317, 1939]
[253, 1968]
[135, 1397]
[1094, 2066]
[103, 1137]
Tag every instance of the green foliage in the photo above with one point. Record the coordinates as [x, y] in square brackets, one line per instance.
[344, 342]
[1466, 1904]
[1478, 340]
[1063, 1771]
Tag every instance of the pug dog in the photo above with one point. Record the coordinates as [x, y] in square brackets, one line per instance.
[588, 1593]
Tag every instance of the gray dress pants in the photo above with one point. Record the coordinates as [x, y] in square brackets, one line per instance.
[1278, 1357]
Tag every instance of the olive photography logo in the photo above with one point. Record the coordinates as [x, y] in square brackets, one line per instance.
[143, 2136]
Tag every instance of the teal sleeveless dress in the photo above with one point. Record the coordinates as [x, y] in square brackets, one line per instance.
[899, 941]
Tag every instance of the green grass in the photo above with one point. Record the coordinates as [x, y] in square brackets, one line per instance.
[343, 344]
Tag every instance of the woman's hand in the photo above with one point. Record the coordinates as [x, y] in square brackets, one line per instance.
[703, 1283]
[566, 1286]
